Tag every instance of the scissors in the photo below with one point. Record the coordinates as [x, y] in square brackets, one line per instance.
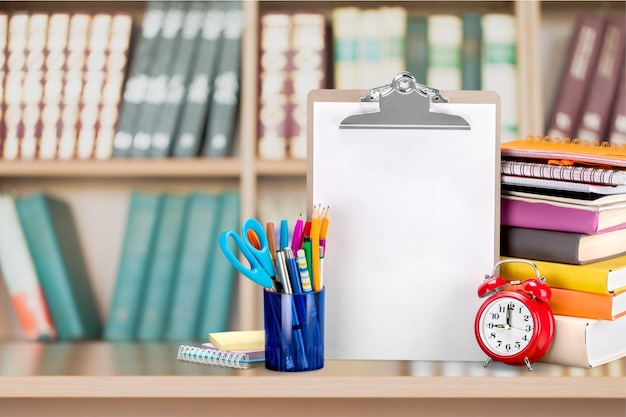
[261, 270]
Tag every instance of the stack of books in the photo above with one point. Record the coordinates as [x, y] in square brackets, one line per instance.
[564, 207]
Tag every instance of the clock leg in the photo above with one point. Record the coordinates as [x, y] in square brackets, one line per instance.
[487, 362]
[527, 362]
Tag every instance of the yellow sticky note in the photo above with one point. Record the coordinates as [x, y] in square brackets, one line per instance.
[238, 340]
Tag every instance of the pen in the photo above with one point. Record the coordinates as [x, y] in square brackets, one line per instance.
[296, 240]
[284, 234]
[271, 242]
[283, 273]
[304, 271]
[294, 273]
[306, 246]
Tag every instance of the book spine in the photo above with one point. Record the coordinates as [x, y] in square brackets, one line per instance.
[160, 275]
[159, 77]
[603, 90]
[4, 30]
[20, 276]
[114, 71]
[199, 236]
[14, 85]
[563, 173]
[222, 118]
[56, 45]
[218, 291]
[73, 84]
[546, 245]
[548, 217]
[274, 85]
[583, 54]
[188, 139]
[345, 32]
[499, 67]
[417, 47]
[393, 20]
[127, 302]
[369, 39]
[94, 76]
[593, 278]
[584, 304]
[178, 82]
[617, 123]
[33, 85]
[471, 51]
[308, 69]
[53, 239]
[445, 37]
[136, 85]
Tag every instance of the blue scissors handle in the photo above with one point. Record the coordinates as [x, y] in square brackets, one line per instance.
[261, 268]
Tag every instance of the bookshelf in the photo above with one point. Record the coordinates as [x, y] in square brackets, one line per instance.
[98, 192]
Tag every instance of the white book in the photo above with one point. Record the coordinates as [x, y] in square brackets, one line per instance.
[445, 40]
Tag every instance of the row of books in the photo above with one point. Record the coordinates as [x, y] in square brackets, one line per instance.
[469, 51]
[570, 220]
[181, 96]
[44, 269]
[591, 100]
[61, 76]
[86, 86]
[173, 282]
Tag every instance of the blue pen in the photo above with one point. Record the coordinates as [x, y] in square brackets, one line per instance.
[284, 234]
[294, 273]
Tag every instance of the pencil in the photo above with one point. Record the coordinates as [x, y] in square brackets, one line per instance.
[315, 248]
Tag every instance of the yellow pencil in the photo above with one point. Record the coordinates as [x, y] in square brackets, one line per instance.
[315, 248]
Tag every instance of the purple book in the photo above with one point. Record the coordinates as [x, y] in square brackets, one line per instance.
[544, 214]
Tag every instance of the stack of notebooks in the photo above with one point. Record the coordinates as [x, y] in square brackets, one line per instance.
[564, 207]
[232, 349]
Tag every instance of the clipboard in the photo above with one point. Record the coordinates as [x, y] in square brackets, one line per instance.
[411, 176]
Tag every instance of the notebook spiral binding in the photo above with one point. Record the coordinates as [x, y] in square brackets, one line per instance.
[575, 141]
[211, 357]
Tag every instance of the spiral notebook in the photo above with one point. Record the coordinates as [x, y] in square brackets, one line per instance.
[208, 354]
[546, 147]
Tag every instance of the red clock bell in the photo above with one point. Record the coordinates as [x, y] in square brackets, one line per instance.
[515, 324]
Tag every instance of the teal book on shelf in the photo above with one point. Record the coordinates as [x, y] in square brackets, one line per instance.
[53, 240]
[224, 107]
[220, 280]
[160, 279]
[128, 296]
[199, 237]
[471, 51]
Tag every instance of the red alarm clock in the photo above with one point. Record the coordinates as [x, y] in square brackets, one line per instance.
[515, 324]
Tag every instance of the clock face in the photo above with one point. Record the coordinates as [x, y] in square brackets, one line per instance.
[506, 326]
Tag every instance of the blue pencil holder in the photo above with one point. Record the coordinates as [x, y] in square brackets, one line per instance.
[294, 331]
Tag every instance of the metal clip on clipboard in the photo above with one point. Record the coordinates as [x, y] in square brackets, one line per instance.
[405, 104]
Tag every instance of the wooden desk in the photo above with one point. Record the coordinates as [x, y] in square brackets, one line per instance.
[102, 379]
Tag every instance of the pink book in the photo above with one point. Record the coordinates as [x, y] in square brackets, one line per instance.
[565, 217]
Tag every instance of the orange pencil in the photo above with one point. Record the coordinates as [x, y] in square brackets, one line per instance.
[315, 248]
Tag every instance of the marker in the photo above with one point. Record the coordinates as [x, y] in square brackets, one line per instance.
[284, 234]
[296, 240]
[305, 279]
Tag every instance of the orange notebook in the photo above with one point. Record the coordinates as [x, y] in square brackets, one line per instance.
[566, 151]
[587, 304]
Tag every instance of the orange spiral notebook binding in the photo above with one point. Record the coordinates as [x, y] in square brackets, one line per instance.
[566, 151]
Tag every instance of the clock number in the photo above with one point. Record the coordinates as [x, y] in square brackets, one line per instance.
[529, 328]
[495, 316]
[526, 317]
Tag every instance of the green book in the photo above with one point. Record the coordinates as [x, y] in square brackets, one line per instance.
[199, 237]
[224, 108]
[55, 246]
[160, 280]
[184, 58]
[126, 304]
[158, 78]
[136, 84]
[218, 290]
[471, 51]
[194, 113]
[417, 47]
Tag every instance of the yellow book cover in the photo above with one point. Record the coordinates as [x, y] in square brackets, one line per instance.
[238, 340]
[598, 277]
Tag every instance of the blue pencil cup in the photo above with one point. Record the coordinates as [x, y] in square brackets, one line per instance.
[294, 331]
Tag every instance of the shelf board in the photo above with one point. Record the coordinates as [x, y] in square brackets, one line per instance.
[281, 168]
[150, 370]
[124, 168]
